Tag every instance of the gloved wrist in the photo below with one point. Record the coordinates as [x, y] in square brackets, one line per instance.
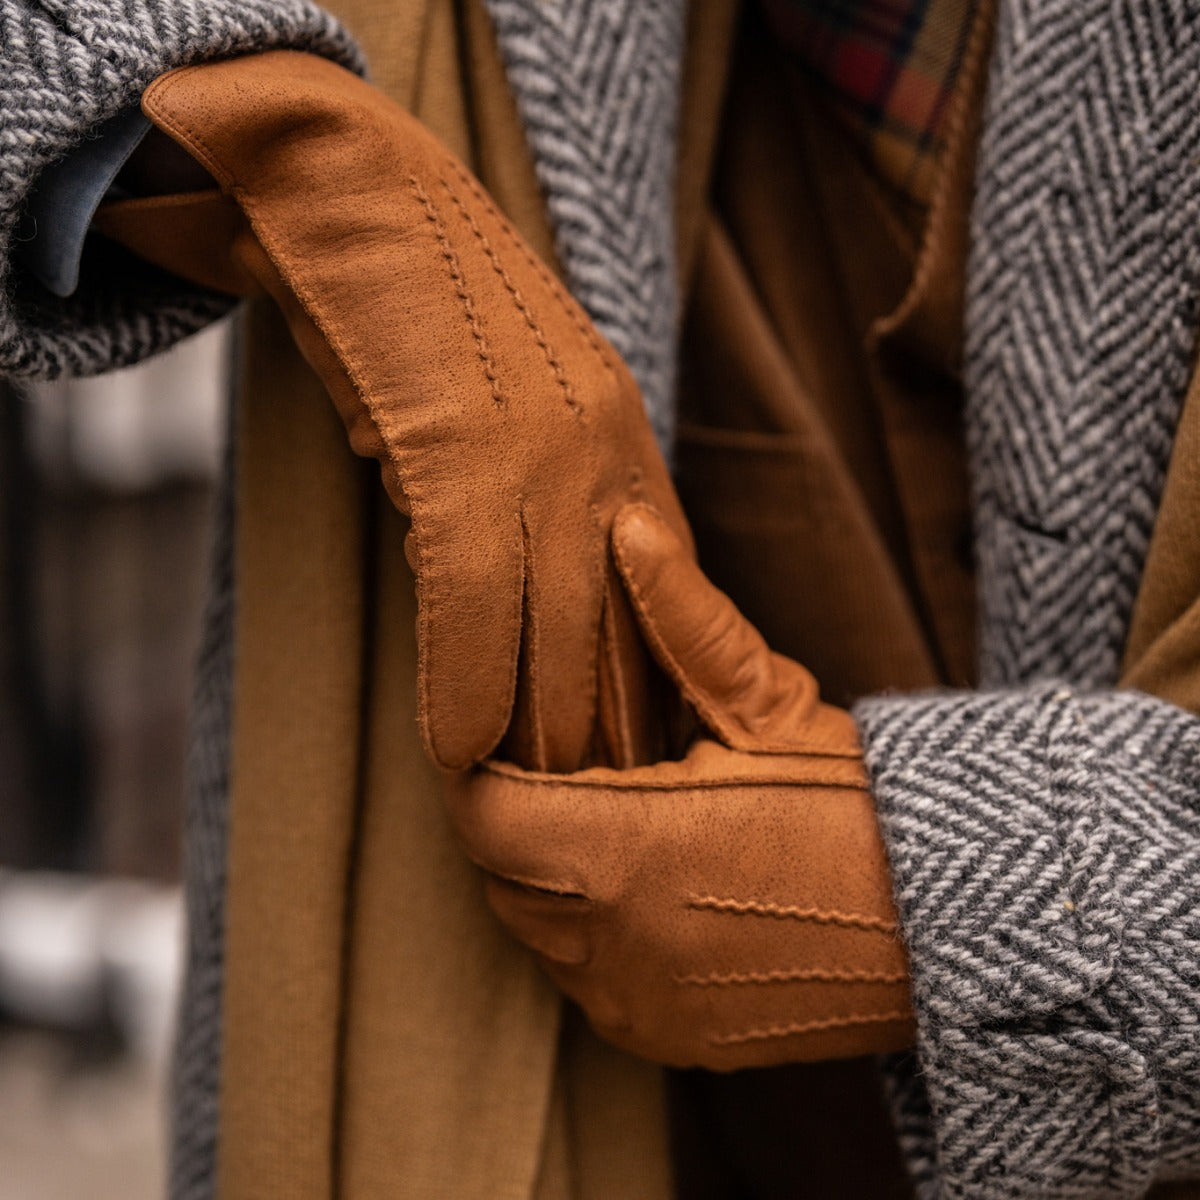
[69, 69]
[503, 424]
[726, 910]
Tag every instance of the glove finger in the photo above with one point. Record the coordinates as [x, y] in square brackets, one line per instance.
[606, 1012]
[748, 696]
[637, 710]
[541, 831]
[554, 926]
[560, 633]
[468, 628]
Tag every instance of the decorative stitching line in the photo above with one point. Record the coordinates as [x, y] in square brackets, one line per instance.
[582, 323]
[610, 664]
[460, 287]
[799, 975]
[519, 300]
[817, 1026]
[596, 570]
[768, 908]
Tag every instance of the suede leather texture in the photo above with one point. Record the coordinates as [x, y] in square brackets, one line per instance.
[452, 354]
[730, 909]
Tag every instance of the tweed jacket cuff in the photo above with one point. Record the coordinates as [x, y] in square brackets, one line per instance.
[1045, 850]
[66, 67]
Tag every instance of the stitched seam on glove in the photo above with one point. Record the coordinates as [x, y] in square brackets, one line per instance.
[769, 908]
[797, 975]
[518, 299]
[603, 351]
[460, 287]
[701, 783]
[530, 640]
[802, 1027]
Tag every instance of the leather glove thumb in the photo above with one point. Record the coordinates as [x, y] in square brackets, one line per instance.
[748, 696]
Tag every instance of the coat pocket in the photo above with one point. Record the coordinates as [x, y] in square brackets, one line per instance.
[781, 529]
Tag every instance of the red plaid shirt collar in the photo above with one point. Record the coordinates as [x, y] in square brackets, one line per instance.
[890, 67]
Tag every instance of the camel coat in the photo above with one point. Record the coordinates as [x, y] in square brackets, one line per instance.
[383, 1037]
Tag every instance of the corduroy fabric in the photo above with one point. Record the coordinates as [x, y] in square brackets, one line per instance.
[1044, 843]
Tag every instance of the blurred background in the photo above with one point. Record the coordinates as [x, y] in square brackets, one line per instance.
[105, 498]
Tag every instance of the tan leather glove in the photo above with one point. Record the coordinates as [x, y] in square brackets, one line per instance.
[730, 910]
[504, 424]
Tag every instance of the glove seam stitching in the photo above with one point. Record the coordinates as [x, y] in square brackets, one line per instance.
[770, 908]
[460, 287]
[504, 771]
[518, 299]
[797, 975]
[815, 1026]
[560, 294]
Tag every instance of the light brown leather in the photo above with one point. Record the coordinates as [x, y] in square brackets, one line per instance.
[503, 423]
[189, 234]
[729, 910]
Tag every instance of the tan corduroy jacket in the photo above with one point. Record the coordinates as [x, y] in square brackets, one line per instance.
[383, 1037]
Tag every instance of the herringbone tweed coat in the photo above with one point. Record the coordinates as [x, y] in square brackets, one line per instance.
[1044, 829]
[1044, 832]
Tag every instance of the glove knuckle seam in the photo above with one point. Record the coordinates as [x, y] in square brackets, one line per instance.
[539, 268]
[791, 975]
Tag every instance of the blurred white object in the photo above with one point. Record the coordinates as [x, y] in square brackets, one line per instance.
[146, 425]
[75, 949]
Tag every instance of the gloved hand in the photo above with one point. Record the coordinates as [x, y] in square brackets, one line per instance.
[504, 424]
[729, 910]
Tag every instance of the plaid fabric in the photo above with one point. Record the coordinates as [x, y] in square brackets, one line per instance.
[890, 66]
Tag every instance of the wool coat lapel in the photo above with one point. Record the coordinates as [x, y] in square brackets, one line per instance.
[1083, 277]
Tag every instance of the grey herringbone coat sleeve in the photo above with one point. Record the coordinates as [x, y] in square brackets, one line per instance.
[66, 67]
[1045, 848]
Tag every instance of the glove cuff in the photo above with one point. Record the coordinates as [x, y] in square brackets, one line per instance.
[70, 66]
